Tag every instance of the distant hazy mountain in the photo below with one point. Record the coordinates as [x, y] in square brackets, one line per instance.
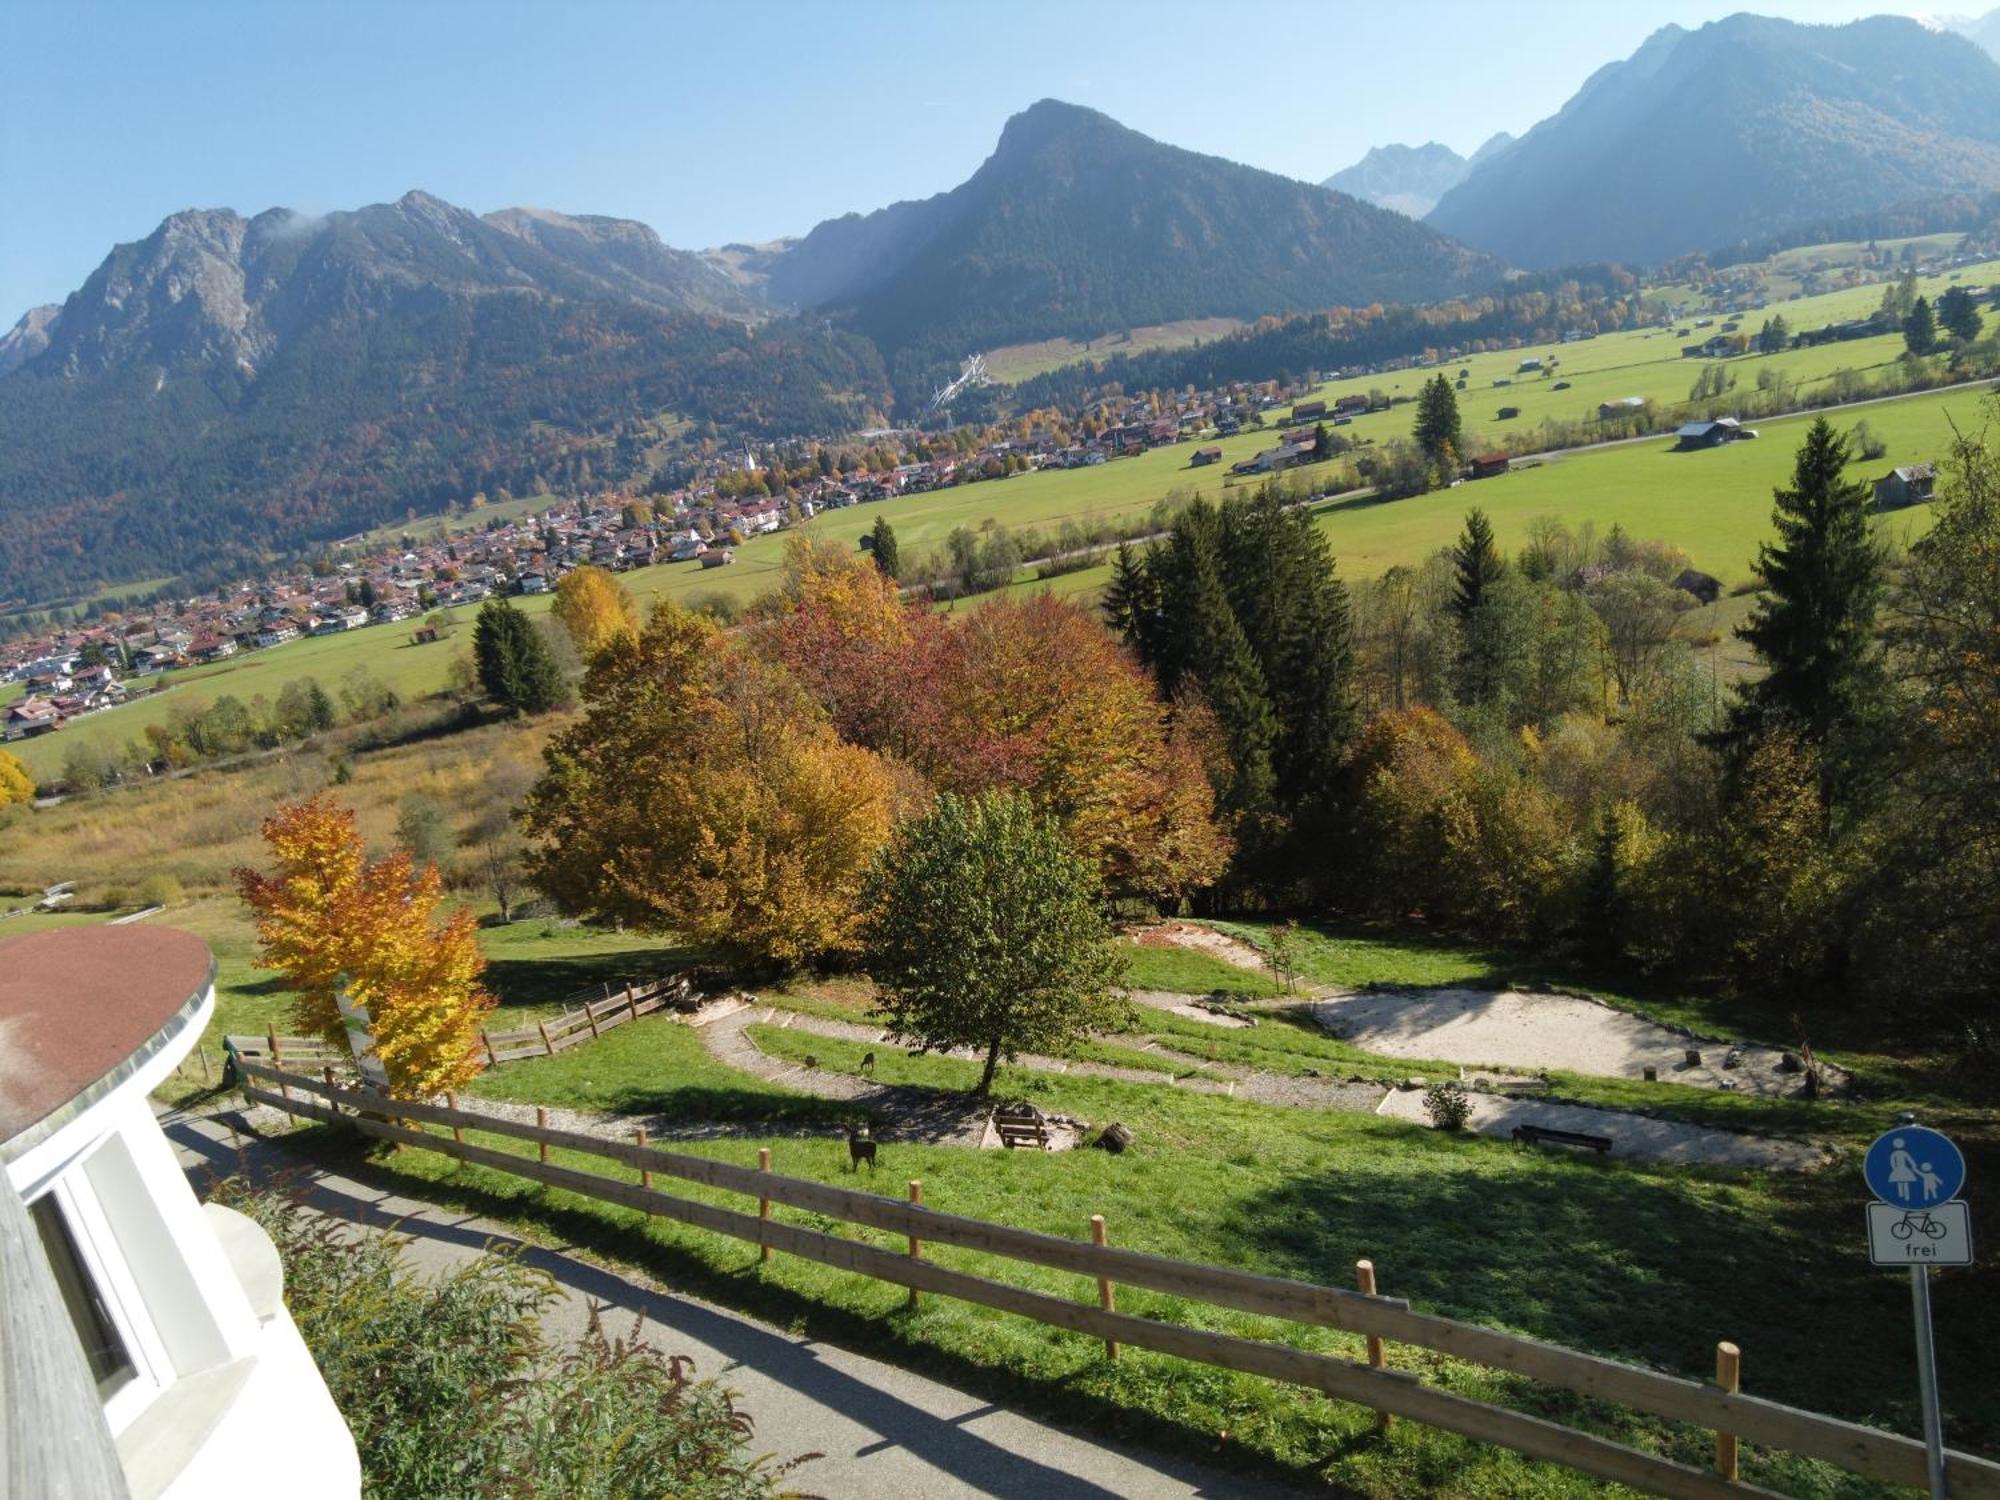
[1410, 179]
[228, 387]
[1705, 137]
[1983, 30]
[1076, 225]
[27, 338]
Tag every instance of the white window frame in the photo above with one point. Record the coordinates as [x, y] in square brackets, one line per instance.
[97, 1247]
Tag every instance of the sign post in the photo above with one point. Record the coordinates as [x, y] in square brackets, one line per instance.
[1919, 1222]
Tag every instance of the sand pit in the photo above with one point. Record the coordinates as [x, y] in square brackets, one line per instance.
[1509, 1029]
[1230, 950]
[1636, 1137]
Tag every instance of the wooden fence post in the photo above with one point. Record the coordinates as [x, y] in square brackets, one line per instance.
[1728, 1375]
[492, 1057]
[206, 1078]
[590, 1016]
[916, 1245]
[277, 1060]
[645, 1174]
[1107, 1295]
[764, 1204]
[1364, 1280]
[542, 1123]
[547, 1046]
[451, 1103]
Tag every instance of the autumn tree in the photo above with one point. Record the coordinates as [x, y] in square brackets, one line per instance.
[593, 606]
[16, 785]
[985, 929]
[704, 792]
[330, 919]
[516, 669]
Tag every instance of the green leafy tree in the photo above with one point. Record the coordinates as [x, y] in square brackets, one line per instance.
[1813, 626]
[1437, 428]
[1920, 328]
[884, 548]
[1958, 314]
[516, 669]
[985, 928]
[423, 828]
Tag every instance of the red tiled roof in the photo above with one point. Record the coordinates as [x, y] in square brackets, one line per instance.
[78, 1003]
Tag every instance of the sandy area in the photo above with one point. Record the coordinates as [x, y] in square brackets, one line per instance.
[1203, 940]
[1508, 1029]
[1181, 1005]
[1634, 1136]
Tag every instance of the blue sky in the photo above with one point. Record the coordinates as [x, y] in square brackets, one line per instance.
[717, 122]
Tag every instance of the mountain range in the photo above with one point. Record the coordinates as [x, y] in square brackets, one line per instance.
[1411, 179]
[1723, 133]
[231, 387]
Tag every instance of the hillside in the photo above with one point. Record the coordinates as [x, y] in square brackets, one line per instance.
[231, 387]
[1410, 179]
[1076, 226]
[1703, 138]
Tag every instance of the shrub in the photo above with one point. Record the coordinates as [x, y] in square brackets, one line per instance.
[1448, 1105]
[159, 889]
[451, 1392]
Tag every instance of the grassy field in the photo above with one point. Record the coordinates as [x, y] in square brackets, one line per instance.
[1645, 1264]
[1017, 362]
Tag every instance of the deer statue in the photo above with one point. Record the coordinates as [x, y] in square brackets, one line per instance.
[860, 1148]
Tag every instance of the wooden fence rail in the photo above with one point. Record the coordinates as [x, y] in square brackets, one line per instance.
[1727, 1413]
[591, 1018]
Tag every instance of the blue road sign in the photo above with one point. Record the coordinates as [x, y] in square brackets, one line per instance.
[1913, 1167]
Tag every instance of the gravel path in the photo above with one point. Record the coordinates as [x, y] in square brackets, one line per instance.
[1532, 1031]
[1638, 1137]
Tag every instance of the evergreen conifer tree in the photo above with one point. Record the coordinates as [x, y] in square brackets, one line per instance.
[1814, 623]
[1438, 429]
[884, 548]
[1920, 328]
[515, 666]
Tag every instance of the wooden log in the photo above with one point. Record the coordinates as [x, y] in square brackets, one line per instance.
[1364, 1281]
[1862, 1450]
[1729, 1376]
[1107, 1291]
[764, 1204]
[916, 1245]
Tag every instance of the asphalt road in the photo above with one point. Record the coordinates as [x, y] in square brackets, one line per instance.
[884, 1431]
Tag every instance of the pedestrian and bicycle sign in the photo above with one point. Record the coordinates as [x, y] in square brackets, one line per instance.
[1919, 1221]
[1913, 1167]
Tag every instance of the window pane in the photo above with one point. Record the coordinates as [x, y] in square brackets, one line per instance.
[103, 1346]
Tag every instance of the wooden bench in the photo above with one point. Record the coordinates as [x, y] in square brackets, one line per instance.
[1021, 1127]
[1541, 1135]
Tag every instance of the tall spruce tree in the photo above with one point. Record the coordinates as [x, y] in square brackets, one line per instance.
[1920, 328]
[1813, 626]
[883, 547]
[516, 669]
[1437, 429]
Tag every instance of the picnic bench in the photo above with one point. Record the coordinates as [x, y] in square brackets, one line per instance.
[1542, 1135]
[1021, 1125]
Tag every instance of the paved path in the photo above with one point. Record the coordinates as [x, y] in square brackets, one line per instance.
[884, 1431]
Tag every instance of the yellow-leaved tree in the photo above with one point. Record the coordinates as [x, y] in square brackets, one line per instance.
[16, 785]
[703, 792]
[594, 607]
[327, 916]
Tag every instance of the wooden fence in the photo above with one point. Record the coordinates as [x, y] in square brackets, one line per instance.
[595, 1013]
[1721, 1408]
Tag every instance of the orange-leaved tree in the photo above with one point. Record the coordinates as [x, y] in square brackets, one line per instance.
[328, 916]
[593, 607]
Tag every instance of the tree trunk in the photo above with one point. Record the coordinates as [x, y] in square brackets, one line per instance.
[992, 1066]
